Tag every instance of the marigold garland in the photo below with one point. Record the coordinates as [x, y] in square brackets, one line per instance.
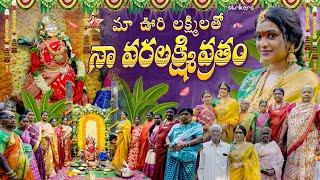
[81, 115]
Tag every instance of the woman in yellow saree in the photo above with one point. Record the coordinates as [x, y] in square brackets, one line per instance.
[123, 140]
[49, 143]
[279, 41]
[14, 161]
[227, 112]
[244, 161]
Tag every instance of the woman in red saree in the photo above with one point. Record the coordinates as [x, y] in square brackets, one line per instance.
[144, 143]
[161, 146]
[66, 138]
[279, 111]
[58, 131]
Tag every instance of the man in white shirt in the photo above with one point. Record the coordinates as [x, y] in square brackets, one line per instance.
[214, 157]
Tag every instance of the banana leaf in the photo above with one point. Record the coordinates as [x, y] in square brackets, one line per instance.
[161, 108]
[238, 74]
[58, 107]
[234, 93]
[251, 45]
[144, 111]
[141, 106]
[155, 92]
[44, 103]
[29, 102]
[58, 117]
[138, 89]
[126, 101]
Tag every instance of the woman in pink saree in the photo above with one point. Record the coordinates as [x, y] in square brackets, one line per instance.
[204, 114]
[270, 156]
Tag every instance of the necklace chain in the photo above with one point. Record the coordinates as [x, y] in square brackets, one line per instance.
[257, 95]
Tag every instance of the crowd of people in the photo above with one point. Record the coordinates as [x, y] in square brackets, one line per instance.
[277, 142]
[269, 132]
[33, 150]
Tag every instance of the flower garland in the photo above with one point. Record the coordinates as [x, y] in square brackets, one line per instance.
[81, 71]
[41, 82]
[92, 111]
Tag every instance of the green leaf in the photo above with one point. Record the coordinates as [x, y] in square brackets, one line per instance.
[30, 102]
[144, 111]
[234, 93]
[238, 74]
[138, 89]
[57, 107]
[141, 106]
[161, 108]
[126, 101]
[58, 116]
[155, 92]
[44, 103]
[17, 118]
[251, 45]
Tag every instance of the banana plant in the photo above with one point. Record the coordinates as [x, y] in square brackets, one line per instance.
[238, 74]
[140, 102]
[54, 110]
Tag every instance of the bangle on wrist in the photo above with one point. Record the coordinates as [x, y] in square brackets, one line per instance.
[10, 172]
[12, 175]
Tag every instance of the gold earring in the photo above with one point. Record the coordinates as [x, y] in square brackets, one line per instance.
[291, 56]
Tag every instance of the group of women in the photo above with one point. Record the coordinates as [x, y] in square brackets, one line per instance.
[32, 150]
[279, 41]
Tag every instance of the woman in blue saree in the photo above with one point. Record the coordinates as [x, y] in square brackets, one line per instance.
[184, 140]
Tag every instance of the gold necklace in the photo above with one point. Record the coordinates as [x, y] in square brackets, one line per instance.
[223, 107]
[57, 56]
[257, 95]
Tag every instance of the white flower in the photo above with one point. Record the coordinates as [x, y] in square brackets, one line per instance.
[41, 83]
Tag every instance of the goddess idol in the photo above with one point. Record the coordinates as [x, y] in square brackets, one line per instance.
[53, 63]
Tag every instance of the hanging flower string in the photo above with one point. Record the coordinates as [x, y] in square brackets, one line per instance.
[6, 40]
[314, 37]
[307, 42]
[14, 32]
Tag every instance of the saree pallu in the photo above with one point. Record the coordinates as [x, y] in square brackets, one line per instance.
[35, 135]
[58, 131]
[247, 155]
[150, 161]
[226, 113]
[12, 148]
[277, 117]
[270, 156]
[144, 144]
[246, 120]
[261, 120]
[50, 150]
[291, 84]
[181, 164]
[28, 150]
[134, 152]
[66, 133]
[123, 142]
[205, 116]
[301, 143]
[161, 151]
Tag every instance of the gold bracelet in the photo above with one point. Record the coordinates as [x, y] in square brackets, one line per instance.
[12, 174]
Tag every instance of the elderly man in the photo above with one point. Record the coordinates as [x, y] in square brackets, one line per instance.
[214, 157]
[302, 138]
